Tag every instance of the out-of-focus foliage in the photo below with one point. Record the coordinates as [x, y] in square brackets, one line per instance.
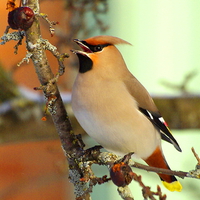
[87, 15]
[8, 88]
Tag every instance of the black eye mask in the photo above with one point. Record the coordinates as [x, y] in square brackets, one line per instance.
[95, 48]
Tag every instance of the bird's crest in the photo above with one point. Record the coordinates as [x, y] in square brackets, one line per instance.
[105, 39]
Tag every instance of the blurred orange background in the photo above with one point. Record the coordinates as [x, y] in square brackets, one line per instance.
[34, 170]
[25, 74]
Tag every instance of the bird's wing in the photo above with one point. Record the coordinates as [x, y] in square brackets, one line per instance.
[161, 125]
[148, 108]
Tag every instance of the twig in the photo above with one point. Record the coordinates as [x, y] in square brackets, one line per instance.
[16, 35]
[51, 23]
[195, 173]
[192, 174]
[196, 156]
[60, 57]
[146, 191]
[180, 174]
[122, 170]
[25, 59]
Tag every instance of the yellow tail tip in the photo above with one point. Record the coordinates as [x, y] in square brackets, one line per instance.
[174, 186]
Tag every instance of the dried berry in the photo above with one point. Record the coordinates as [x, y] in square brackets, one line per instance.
[21, 18]
[11, 5]
[121, 174]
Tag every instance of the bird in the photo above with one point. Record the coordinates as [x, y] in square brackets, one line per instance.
[115, 109]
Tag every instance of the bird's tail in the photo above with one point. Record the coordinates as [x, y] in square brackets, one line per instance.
[157, 160]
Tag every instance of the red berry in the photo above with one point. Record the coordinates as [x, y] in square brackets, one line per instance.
[121, 174]
[21, 18]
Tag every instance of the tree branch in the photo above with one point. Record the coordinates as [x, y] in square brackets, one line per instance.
[60, 118]
[71, 145]
[180, 174]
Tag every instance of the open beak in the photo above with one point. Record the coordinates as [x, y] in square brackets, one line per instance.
[85, 49]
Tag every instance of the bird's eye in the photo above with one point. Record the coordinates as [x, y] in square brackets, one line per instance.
[97, 48]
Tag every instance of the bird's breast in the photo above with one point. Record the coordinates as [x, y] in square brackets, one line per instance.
[109, 114]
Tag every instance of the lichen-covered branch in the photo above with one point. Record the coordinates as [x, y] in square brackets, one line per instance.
[35, 47]
[70, 143]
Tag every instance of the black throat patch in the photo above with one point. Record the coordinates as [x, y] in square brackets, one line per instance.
[85, 63]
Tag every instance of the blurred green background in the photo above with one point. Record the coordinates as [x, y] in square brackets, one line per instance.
[165, 37]
[165, 58]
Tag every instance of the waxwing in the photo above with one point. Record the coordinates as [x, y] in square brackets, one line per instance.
[115, 109]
